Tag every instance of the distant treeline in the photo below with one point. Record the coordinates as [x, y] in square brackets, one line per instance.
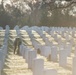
[34, 15]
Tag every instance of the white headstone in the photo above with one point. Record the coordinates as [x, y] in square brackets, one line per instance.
[45, 50]
[75, 52]
[26, 54]
[74, 66]
[68, 49]
[21, 49]
[47, 41]
[7, 27]
[1, 28]
[63, 34]
[31, 55]
[62, 58]
[38, 66]
[54, 52]
[35, 44]
[7, 31]
[1, 59]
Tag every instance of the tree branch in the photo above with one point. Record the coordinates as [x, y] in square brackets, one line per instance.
[67, 5]
[62, 7]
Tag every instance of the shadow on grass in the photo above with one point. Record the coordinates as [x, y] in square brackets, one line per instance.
[68, 68]
[3, 73]
[6, 67]
[6, 60]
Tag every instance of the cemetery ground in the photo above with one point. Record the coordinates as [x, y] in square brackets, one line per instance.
[20, 65]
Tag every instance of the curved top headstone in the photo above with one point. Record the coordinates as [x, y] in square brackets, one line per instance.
[16, 27]
[7, 27]
[24, 27]
[1, 28]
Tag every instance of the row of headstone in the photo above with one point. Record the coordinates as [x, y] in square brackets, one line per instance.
[46, 28]
[4, 48]
[34, 63]
[60, 42]
[46, 51]
[64, 51]
[54, 52]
